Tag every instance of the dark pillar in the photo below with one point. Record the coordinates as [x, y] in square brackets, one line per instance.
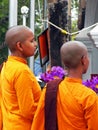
[58, 16]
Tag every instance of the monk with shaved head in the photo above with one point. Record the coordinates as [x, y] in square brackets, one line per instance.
[20, 41]
[76, 105]
[74, 55]
[19, 87]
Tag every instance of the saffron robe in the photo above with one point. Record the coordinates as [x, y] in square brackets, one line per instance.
[0, 106]
[20, 94]
[77, 107]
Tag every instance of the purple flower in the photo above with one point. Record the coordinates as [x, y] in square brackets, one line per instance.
[56, 72]
[92, 83]
[59, 72]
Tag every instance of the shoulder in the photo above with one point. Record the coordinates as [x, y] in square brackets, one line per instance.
[80, 92]
[85, 96]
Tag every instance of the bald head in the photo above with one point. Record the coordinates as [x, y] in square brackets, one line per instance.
[72, 52]
[16, 34]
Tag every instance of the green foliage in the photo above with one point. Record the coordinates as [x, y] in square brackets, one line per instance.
[75, 3]
[74, 19]
[3, 28]
[74, 26]
[38, 16]
[3, 19]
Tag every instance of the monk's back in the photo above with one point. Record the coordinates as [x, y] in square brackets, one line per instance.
[71, 100]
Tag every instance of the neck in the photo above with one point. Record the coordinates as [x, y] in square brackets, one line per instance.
[75, 73]
[18, 55]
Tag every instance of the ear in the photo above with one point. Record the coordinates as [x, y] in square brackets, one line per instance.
[19, 47]
[83, 60]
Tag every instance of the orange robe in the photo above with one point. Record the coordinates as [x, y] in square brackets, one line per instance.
[0, 107]
[20, 94]
[77, 107]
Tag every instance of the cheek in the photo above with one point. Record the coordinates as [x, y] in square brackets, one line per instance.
[31, 47]
[29, 50]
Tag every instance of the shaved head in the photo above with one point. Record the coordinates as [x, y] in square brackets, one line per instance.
[16, 34]
[72, 52]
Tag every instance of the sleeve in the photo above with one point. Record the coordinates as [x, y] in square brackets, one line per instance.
[91, 112]
[39, 117]
[28, 93]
